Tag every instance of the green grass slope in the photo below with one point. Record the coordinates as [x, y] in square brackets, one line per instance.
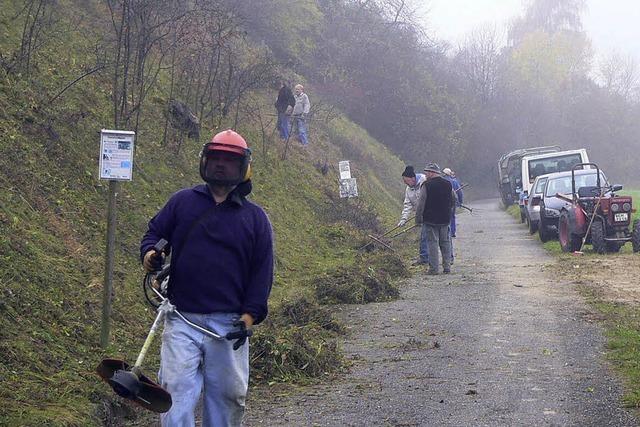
[53, 226]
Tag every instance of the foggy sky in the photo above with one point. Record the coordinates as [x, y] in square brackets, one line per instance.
[611, 24]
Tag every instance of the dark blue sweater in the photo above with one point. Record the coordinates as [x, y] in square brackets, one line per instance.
[226, 263]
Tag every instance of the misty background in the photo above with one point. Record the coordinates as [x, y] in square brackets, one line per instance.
[454, 82]
[612, 26]
[533, 76]
[607, 45]
[459, 86]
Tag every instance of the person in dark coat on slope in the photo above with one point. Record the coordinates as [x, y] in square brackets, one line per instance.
[284, 107]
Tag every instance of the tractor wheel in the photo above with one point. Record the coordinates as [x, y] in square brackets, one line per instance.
[543, 231]
[569, 242]
[533, 225]
[635, 236]
[597, 237]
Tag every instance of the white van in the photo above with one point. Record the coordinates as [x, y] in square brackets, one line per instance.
[542, 164]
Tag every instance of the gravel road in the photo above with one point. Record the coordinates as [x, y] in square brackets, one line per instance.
[500, 342]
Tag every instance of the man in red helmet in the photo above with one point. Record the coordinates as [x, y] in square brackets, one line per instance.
[221, 277]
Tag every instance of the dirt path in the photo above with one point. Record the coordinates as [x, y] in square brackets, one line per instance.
[498, 342]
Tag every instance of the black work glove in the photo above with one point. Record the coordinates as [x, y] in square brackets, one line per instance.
[153, 261]
[240, 336]
[157, 262]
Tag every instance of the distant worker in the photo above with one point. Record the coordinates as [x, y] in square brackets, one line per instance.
[413, 182]
[450, 176]
[284, 107]
[300, 112]
[435, 203]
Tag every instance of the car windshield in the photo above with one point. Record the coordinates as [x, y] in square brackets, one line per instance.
[539, 188]
[562, 185]
[553, 164]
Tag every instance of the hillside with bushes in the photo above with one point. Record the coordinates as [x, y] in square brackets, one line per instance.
[176, 72]
[61, 81]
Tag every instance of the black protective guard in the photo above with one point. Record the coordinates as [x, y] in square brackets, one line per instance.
[150, 396]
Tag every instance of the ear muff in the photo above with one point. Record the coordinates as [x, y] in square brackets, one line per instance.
[247, 175]
[248, 171]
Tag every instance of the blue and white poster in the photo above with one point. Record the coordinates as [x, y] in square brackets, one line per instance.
[116, 154]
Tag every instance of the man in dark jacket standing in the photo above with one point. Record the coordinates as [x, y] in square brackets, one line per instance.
[435, 205]
[221, 276]
[284, 106]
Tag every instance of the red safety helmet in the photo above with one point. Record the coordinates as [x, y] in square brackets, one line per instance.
[231, 142]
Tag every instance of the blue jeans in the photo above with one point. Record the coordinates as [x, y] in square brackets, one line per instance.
[301, 130]
[283, 125]
[191, 360]
[438, 238]
[453, 224]
[424, 247]
[453, 255]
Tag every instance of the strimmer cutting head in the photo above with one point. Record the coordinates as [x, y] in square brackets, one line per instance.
[134, 386]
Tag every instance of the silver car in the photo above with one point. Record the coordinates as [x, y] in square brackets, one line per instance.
[532, 216]
[551, 205]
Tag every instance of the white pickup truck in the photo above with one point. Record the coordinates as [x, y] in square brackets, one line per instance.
[542, 164]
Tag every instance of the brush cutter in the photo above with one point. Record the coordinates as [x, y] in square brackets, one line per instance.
[128, 381]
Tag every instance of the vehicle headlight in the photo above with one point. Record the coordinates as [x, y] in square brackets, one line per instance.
[551, 212]
[626, 207]
[615, 207]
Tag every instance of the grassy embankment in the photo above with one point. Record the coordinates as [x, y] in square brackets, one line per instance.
[52, 231]
[620, 316]
[621, 319]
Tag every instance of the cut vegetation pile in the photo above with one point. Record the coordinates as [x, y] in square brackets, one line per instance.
[298, 341]
[368, 280]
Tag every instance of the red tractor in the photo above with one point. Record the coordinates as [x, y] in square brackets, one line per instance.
[596, 215]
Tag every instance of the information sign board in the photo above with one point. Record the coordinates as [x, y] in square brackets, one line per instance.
[116, 154]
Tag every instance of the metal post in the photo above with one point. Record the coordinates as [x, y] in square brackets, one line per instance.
[109, 262]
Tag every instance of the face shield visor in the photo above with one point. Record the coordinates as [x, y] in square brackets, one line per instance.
[224, 165]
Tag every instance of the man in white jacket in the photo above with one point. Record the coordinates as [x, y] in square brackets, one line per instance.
[301, 109]
[411, 193]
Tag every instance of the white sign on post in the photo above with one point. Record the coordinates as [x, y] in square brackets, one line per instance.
[348, 185]
[116, 154]
[348, 188]
[345, 169]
